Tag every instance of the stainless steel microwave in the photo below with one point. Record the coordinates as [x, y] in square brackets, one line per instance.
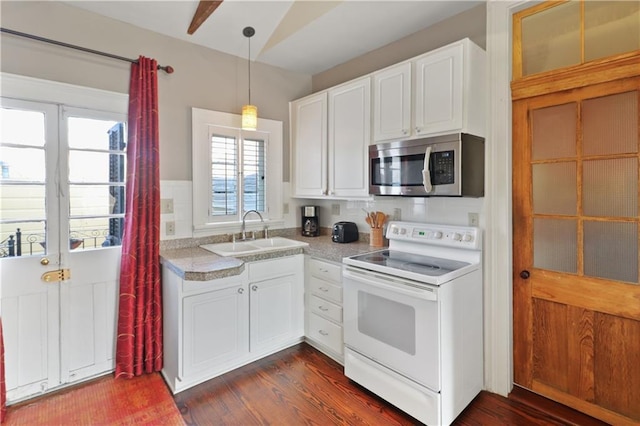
[449, 165]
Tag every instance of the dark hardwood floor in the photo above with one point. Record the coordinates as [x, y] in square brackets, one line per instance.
[301, 386]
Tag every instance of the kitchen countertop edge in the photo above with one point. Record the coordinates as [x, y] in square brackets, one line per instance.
[198, 264]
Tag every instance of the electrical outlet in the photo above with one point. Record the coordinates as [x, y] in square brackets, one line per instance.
[474, 220]
[397, 213]
[285, 208]
[335, 209]
[170, 228]
[166, 205]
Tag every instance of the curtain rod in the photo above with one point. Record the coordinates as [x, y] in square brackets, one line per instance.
[168, 69]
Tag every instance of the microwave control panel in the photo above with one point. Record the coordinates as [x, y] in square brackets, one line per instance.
[442, 168]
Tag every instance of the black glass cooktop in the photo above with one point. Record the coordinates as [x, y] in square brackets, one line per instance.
[426, 265]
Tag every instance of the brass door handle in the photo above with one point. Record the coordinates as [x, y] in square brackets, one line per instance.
[44, 261]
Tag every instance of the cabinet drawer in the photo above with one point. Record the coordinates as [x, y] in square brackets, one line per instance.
[325, 309]
[279, 267]
[325, 289]
[325, 271]
[326, 332]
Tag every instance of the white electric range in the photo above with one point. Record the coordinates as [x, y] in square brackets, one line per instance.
[413, 319]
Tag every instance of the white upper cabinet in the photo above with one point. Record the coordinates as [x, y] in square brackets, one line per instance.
[309, 145]
[448, 94]
[349, 138]
[392, 102]
[438, 102]
[450, 90]
[330, 156]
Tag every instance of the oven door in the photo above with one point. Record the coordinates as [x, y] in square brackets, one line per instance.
[394, 322]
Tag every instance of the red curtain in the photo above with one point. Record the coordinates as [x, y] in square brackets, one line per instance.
[3, 389]
[139, 342]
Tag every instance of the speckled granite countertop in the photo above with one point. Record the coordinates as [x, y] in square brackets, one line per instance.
[323, 248]
[193, 263]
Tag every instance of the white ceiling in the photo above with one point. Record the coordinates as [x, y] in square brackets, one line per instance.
[303, 36]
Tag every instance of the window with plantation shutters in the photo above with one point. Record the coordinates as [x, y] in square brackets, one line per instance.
[224, 176]
[235, 171]
[253, 172]
[237, 174]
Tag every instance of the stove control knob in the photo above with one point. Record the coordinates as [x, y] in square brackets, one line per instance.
[394, 230]
[467, 237]
[456, 237]
[437, 235]
[403, 231]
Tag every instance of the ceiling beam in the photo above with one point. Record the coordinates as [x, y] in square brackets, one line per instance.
[205, 9]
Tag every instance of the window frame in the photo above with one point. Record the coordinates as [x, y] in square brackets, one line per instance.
[206, 123]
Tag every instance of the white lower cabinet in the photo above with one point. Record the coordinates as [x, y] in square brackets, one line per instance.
[215, 327]
[212, 327]
[277, 302]
[323, 299]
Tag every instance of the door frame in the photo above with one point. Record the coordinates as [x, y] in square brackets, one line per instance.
[498, 241]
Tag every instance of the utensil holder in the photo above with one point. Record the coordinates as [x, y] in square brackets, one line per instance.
[376, 238]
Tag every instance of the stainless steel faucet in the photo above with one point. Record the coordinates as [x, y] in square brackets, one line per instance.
[244, 233]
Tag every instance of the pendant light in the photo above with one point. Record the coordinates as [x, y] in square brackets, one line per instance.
[249, 112]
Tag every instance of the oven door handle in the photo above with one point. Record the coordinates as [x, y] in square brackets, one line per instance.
[390, 283]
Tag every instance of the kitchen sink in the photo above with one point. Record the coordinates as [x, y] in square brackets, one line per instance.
[253, 247]
[278, 242]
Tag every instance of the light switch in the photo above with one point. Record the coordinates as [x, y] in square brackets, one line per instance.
[166, 205]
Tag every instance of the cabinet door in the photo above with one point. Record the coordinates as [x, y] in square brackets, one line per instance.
[274, 316]
[392, 103]
[438, 97]
[215, 328]
[309, 145]
[349, 137]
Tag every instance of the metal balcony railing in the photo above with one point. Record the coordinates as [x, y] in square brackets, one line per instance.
[20, 244]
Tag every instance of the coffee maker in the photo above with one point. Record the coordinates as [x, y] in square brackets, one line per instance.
[310, 221]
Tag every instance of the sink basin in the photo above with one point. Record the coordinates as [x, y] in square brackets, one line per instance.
[253, 246]
[278, 242]
[227, 249]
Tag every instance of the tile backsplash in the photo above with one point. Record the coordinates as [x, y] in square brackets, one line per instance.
[447, 210]
[444, 210]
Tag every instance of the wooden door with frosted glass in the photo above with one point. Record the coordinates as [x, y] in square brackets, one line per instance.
[576, 235]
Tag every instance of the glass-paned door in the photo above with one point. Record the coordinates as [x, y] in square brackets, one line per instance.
[61, 214]
[576, 247]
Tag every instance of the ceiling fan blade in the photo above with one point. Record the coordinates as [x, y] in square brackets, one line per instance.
[205, 9]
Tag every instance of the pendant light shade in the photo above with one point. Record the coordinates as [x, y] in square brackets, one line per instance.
[249, 112]
[249, 117]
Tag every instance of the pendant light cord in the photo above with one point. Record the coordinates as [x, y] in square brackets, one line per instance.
[248, 32]
[249, 65]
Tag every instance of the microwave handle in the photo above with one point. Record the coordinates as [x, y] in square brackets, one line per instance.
[426, 174]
